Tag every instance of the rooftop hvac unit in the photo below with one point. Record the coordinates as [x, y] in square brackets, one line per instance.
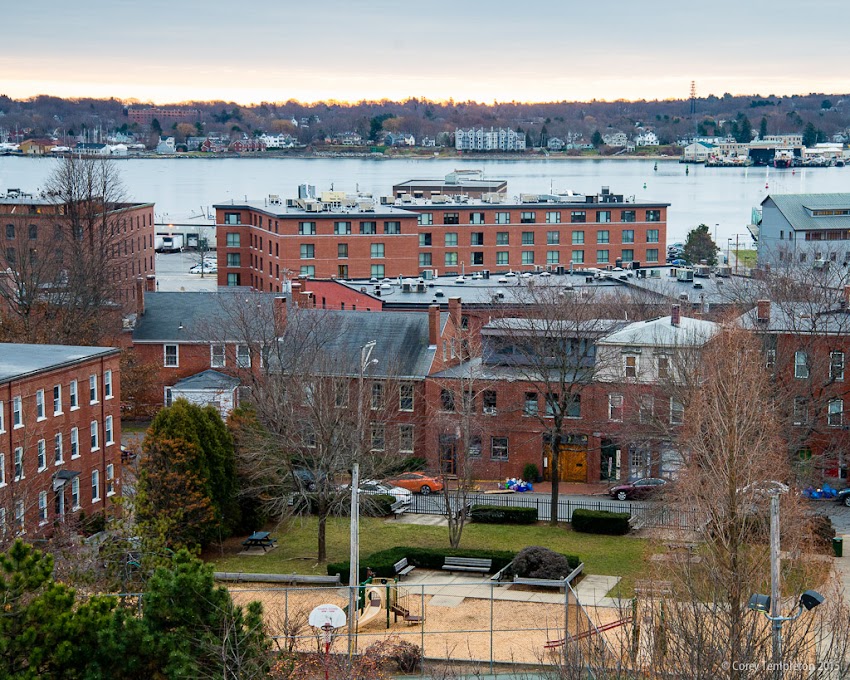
[405, 287]
[366, 206]
[683, 297]
[439, 198]
[685, 275]
[312, 206]
[655, 273]
[698, 286]
[528, 198]
[439, 293]
[274, 199]
[420, 287]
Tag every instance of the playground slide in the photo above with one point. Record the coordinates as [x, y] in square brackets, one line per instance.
[374, 606]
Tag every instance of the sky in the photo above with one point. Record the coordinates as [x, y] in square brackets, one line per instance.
[547, 50]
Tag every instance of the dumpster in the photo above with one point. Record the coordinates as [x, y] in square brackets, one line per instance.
[838, 546]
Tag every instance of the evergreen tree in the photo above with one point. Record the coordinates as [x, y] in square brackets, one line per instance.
[763, 128]
[596, 139]
[810, 135]
[700, 246]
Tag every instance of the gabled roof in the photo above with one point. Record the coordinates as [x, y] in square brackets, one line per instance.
[208, 380]
[796, 209]
[804, 318]
[19, 361]
[662, 333]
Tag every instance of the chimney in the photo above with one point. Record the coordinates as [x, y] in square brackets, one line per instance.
[279, 303]
[433, 325]
[150, 283]
[454, 311]
[140, 297]
[306, 299]
[675, 315]
[763, 311]
[296, 292]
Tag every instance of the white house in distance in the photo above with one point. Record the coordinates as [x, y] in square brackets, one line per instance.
[207, 388]
[166, 145]
[647, 138]
[698, 152]
[615, 139]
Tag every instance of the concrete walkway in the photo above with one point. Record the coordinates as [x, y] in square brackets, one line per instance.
[842, 567]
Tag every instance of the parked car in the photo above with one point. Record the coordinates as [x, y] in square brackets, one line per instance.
[372, 487]
[844, 497]
[679, 263]
[305, 479]
[205, 268]
[638, 488]
[417, 482]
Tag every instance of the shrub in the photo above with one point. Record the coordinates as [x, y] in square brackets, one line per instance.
[406, 655]
[379, 505]
[822, 532]
[537, 562]
[531, 473]
[600, 522]
[495, 514]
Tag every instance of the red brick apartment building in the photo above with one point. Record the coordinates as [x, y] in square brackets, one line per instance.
[263, 244]
[144, 116]
[60, 434]
[34, 225]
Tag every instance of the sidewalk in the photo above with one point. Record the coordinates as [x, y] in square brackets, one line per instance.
[564, 488]
[842, 566]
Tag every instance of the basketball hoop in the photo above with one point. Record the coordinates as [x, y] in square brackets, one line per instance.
[327, 618]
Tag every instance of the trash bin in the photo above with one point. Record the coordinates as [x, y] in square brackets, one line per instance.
[838, 546]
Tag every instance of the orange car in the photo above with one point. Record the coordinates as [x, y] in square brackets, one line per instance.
[417, 482]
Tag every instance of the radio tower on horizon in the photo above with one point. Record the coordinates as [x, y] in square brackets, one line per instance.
[693, 97]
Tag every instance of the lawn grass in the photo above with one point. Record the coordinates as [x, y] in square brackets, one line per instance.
[623, 556]
[746, 258]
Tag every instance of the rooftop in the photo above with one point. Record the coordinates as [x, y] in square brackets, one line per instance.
[19, 361]
[798, 209]
[661, 332]
[207, 380]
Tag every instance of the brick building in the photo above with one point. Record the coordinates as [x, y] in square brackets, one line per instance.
[262, 244]
[144, 116]
[60, 434]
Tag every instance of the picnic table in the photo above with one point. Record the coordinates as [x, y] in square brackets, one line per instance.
[259, 539]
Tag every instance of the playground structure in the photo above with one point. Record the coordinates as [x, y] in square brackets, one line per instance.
[378, 595]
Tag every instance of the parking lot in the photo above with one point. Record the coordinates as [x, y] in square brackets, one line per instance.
[172, 273]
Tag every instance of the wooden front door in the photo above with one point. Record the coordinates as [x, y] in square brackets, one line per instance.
[448, 454]
[572, 458]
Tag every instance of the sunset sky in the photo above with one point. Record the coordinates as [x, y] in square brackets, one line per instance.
[177, 50]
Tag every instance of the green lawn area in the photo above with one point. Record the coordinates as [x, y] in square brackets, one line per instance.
[296, 552]
[746, 258]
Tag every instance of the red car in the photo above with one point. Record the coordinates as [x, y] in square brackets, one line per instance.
[638, 488]
[417, 482]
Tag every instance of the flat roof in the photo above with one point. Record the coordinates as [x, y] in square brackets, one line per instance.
[19, 360]
[461, 182]
[283, 210]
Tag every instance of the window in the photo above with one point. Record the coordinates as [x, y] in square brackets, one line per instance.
[217, 355]
[502, 257]
[41, 454]
[528, 257]
[92, 389]
[801, 364]
[377, 271]
[663, 367]
[307, 228]
[171, 356]
[10, 231]
[677, 411]
[502, 238]
[801, 411]
[75, 493]
[107, 431]
[234, 259]
[488, 402]
[653, 215]
[234, 240]
[474, 450]
[2, 469]
[39, 405]
[530, 407]
[308, 251]
[57, 403]
[405, 397]
[628, 216]
[368, 227]
[110, 479]
[342, 228]
[93, 432]
[376, 250]
[392, 227]
[377, 401]
[836, 366]
[95, 486]
[553, 257]
[425, 240]
[770, 359]
[630, 365]
[652, 254]
[451, 259]
[377, 437]
[578, 238]
[17, 412]
[425, 219]
[75, 442]
[503, 218]
[307, 270]
[602, 236]
[234, 279]
[602, 256]
[107, 384]
[425, 260]
[835, 413]
[628, 255]
[19, 515]
[476, 238]
[578, 257]
[646, 408]
[615, 407]
[447, 400]
[528, 238]
[42, 507]
[342, 251]
[553, 217]
[243, 356]
[405, 438]
[652, 235]
[577, 216]
[451, 239]
[57, 449]
[628, 235]
[499, 448]
[553, 238]
[19, 463]
[476, 218]
[527, 217]
[232, 218]
[603, 215]
[451, 218]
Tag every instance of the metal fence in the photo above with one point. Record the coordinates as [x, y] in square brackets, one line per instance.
[643, 515]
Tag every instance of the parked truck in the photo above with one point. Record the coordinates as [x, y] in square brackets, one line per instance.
[172, 243]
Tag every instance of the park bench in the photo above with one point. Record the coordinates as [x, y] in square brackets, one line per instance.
[259, 539]
[560, 583]
[398, 508]
[473, 564]
[403, 568]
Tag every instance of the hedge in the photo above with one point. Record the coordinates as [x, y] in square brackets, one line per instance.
[601, 522]
[497, 514]
[381, 563]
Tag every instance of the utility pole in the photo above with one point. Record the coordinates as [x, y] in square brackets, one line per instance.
[776, 622]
